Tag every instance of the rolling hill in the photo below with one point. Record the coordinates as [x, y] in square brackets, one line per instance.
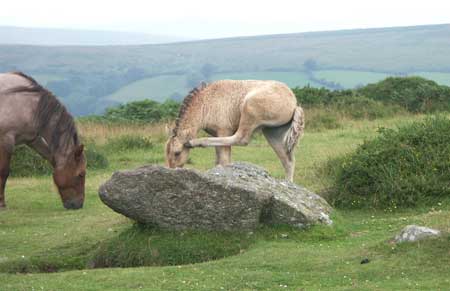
[78, 37]
[88, 78]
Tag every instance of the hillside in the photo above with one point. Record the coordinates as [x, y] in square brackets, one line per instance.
[88, 78]
[80, 37]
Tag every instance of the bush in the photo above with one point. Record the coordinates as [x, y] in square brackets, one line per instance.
[416, 94]
[322, 118]
[361, 107]
[143, 111]
[129, 142]
[26, 162]
[400, 168]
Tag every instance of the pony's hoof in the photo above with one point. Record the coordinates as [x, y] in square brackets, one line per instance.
[2, 207]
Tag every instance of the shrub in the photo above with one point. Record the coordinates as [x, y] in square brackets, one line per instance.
[26, 162]
[143, 111]
[322, 118]
[361, 107]
[129, 142]
[413, 93]
[400, 168]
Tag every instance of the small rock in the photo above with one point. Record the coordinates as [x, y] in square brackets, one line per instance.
[412, 233]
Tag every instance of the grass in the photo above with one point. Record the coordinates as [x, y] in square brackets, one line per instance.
[37, 234]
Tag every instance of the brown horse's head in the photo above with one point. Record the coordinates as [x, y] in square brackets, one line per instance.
[70, 179]
[176, 153]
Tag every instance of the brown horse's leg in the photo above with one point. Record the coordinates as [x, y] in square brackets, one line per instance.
[5, 158]
[275, 136]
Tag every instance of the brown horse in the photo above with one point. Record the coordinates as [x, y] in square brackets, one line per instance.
[231, 111]
[31, 115]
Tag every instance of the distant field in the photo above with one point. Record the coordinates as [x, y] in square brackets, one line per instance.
[162, 87]
[293, 79]
[159, 89]
[441, 78]
[348, 78]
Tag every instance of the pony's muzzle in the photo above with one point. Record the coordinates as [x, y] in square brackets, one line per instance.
[73, 204]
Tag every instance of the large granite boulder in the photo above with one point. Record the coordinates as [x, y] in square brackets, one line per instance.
[236, 197]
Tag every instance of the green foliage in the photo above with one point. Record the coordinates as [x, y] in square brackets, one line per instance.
[360, 107]
[400, 168]
[26, 162]
[147, 246]
[323, 118]
[95, 158]
[413, 93]
[129, 142]
[143, 111]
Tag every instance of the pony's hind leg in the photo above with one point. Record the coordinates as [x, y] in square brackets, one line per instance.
[5, 158]
[275, 136]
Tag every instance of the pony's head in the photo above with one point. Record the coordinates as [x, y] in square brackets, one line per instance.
[176, 152]
[70, 178]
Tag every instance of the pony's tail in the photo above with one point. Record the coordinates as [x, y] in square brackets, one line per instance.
[295, 131]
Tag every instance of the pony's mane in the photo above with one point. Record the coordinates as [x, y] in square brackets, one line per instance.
[50, 111]
[186, 104]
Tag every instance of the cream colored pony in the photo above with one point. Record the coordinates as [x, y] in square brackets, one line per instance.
[231, 111]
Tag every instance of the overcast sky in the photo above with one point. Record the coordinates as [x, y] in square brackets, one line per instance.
[213, 19]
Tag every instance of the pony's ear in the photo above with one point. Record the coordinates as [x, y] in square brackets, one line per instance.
[79, 152]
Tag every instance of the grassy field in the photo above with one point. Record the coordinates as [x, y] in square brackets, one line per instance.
[36, 229]
[158, 88]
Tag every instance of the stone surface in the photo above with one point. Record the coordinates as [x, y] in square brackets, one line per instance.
[412, 233]
[237, 197]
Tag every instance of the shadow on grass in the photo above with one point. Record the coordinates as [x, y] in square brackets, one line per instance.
[141, 245]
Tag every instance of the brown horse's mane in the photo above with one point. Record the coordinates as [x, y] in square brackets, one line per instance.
[186, 104]
[50, 111]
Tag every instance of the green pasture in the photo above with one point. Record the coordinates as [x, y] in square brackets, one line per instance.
[35, 230]
[158, 88]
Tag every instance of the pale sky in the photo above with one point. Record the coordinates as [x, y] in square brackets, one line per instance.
[214, 19]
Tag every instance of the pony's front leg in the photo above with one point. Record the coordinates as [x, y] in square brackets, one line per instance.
[214, 141]
[5, 158]
[223, 155]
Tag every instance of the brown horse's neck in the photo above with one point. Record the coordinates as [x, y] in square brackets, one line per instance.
[56, 155]
[57, 136]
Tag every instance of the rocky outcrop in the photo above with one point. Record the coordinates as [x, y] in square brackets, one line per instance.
[236, 197]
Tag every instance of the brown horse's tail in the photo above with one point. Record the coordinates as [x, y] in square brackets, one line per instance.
[295, 131]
